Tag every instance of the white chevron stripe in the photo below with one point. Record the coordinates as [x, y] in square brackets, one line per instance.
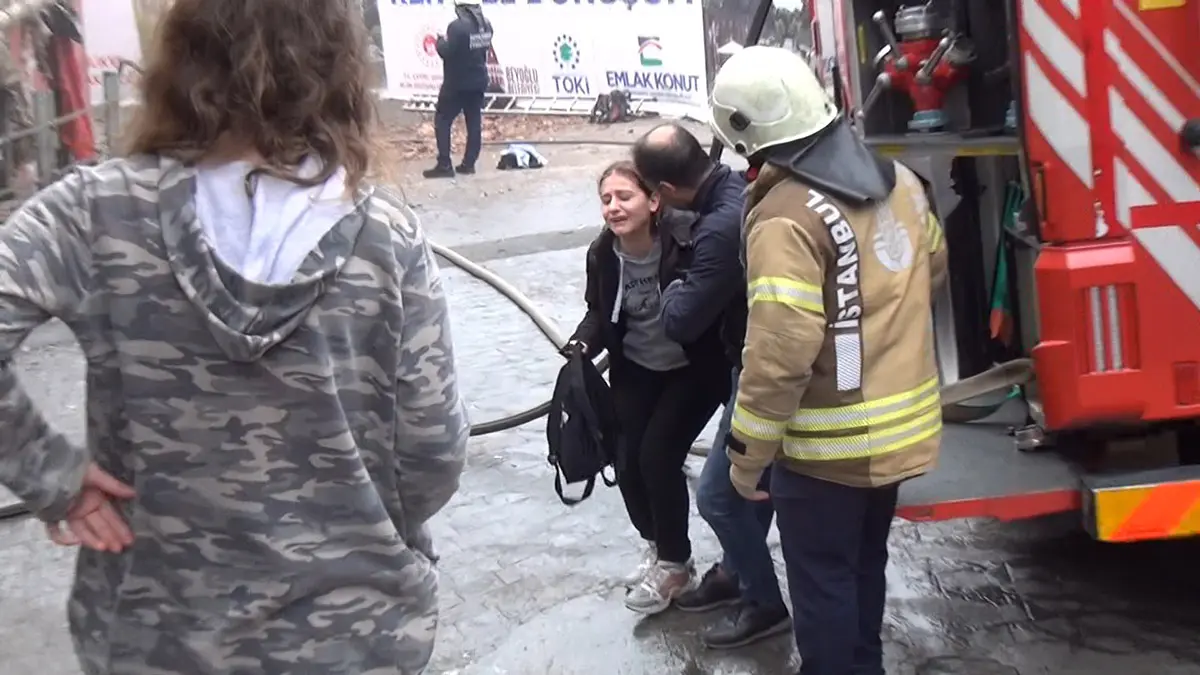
[1130, 193]
[1177, 254]
[1170, 246]
[1158, 161]
[1059, 123]
[1142, 83]
[1054, 44]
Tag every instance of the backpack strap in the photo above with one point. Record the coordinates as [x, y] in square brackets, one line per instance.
[590, 377]
[554, 418]
[576, 363]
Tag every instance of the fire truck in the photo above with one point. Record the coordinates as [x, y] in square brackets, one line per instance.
[1061, 141]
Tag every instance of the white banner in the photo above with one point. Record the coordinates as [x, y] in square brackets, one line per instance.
[651, 48]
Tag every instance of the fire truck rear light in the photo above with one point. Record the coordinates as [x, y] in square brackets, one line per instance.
[1109, 308]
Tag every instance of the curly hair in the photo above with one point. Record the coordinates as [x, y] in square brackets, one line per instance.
[288, 78]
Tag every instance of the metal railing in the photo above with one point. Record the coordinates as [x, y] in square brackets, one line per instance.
[35, 156]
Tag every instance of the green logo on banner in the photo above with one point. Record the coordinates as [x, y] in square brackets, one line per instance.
[650, 52]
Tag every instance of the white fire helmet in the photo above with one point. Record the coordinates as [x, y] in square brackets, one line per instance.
[767, 96]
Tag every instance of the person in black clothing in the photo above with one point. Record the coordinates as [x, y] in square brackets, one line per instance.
[664, 392]
[464, 51]
[714, 292]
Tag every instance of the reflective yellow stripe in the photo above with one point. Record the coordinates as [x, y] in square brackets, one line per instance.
[759, 428]
[874, 443]
[869, 413]
[935, 232]
[787, 292]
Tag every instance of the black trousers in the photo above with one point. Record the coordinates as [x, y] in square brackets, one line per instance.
[835, 545]
[450, 103]
[661, 414]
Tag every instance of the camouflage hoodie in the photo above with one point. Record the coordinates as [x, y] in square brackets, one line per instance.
[287, 442]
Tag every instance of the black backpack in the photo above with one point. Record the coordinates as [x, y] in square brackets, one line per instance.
[581, 428]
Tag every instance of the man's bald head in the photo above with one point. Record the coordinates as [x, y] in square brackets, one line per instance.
[663, 136]
[670, 158]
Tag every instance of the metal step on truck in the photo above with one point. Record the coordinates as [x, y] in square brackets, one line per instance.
[1062, 142]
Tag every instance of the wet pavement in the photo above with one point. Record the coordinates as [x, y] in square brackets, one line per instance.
[527, 584]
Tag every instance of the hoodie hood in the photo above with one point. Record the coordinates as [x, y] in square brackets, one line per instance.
[257, 264]
[472, 13]
[838, 163]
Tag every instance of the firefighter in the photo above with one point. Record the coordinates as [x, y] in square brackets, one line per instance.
[839, 387]
[464, 51]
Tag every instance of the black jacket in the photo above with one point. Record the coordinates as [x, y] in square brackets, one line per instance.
[676, 231]
[714, 289]
[464, 51]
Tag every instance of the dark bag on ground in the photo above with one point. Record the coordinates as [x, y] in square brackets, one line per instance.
[581, 428]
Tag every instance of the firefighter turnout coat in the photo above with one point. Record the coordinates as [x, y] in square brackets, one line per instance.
[839, 379]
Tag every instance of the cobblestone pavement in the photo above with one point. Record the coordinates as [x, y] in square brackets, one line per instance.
[527, 584]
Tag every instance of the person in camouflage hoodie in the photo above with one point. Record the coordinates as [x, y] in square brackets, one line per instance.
[273, 410]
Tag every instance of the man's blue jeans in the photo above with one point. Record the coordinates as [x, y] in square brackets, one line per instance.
[740, 525]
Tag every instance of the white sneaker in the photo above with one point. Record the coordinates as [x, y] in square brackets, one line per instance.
[662, 584]
[649, 557]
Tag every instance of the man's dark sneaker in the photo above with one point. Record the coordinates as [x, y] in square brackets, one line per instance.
[439, 172]
[715, 590]
[749, 624]
[465, 168]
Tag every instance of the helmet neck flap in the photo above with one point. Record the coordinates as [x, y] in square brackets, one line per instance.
[837, 162]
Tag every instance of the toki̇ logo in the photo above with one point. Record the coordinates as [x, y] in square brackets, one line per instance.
[566, 52]
[650, 52]
[566, 55]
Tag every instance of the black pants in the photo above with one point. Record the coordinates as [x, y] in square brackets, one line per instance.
[661, 414]
[835, 545]
[450, 103]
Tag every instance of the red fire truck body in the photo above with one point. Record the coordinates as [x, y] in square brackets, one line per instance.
[1107, 99]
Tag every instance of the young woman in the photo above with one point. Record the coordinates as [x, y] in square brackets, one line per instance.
[272, 403]
[665, 392]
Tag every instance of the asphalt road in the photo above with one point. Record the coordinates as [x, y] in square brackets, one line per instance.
[528, 585]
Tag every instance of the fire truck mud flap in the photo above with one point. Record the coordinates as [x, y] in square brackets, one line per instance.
[981, 474]
[1143, 505]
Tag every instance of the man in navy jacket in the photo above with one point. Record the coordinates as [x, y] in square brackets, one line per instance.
[674, 163]
[464, 51]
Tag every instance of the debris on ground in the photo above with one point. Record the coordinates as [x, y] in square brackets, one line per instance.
[520, 156]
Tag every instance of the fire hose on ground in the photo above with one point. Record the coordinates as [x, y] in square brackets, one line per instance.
[1001, 378]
